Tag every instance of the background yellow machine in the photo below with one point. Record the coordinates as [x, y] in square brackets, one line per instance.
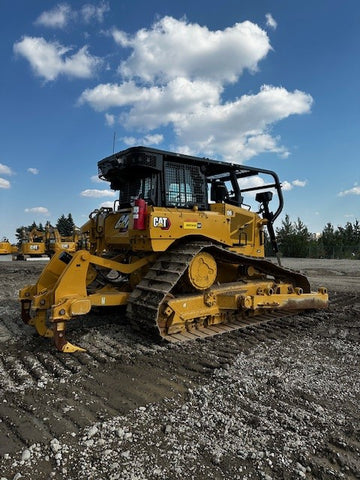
[36, 243]
[5, 247]
[55, 242]
[181, 248]
[32, 244]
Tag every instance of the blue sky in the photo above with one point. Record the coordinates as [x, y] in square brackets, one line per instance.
[273, 84]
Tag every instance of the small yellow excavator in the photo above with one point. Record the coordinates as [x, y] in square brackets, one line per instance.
[5, 247]
[32, 245]
[55, 242]
[181, 248]
[44, 244]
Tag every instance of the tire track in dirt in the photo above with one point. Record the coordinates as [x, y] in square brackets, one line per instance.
[63, 393]
[339, 459]
[25, 366]
[48, 394]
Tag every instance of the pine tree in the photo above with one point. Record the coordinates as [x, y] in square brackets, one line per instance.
[71, 224]
[65, 225]
[285, 236]
[293, 238]
[61, 225]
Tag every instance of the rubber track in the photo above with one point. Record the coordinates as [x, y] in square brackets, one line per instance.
[146, 299]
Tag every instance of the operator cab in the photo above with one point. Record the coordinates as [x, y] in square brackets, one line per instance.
[160, 178]
[173, 180]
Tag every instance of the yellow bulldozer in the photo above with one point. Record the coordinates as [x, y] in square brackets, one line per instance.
[182, 249]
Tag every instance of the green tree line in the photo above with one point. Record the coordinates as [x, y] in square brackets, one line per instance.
[295, 240]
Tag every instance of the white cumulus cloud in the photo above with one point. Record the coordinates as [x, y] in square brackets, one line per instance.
[174, 48]
[62, 14]
[4, 183]
[111, 95]
[299, 183]
[239, 129]
[51, 59]
[286, 185]
[352, 191]
[41, 210]
[251, 182]
[32, 170]
[173, 103]
[5, 170]
[176, 75]
[94, 193]
[270, 21]
[57, 17]
[171, 100]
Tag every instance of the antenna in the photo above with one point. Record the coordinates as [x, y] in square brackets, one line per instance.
[114, 142]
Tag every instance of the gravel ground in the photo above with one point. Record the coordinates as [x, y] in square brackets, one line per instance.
[274, 402]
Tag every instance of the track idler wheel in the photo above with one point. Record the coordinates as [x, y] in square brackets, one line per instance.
[202, 271]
